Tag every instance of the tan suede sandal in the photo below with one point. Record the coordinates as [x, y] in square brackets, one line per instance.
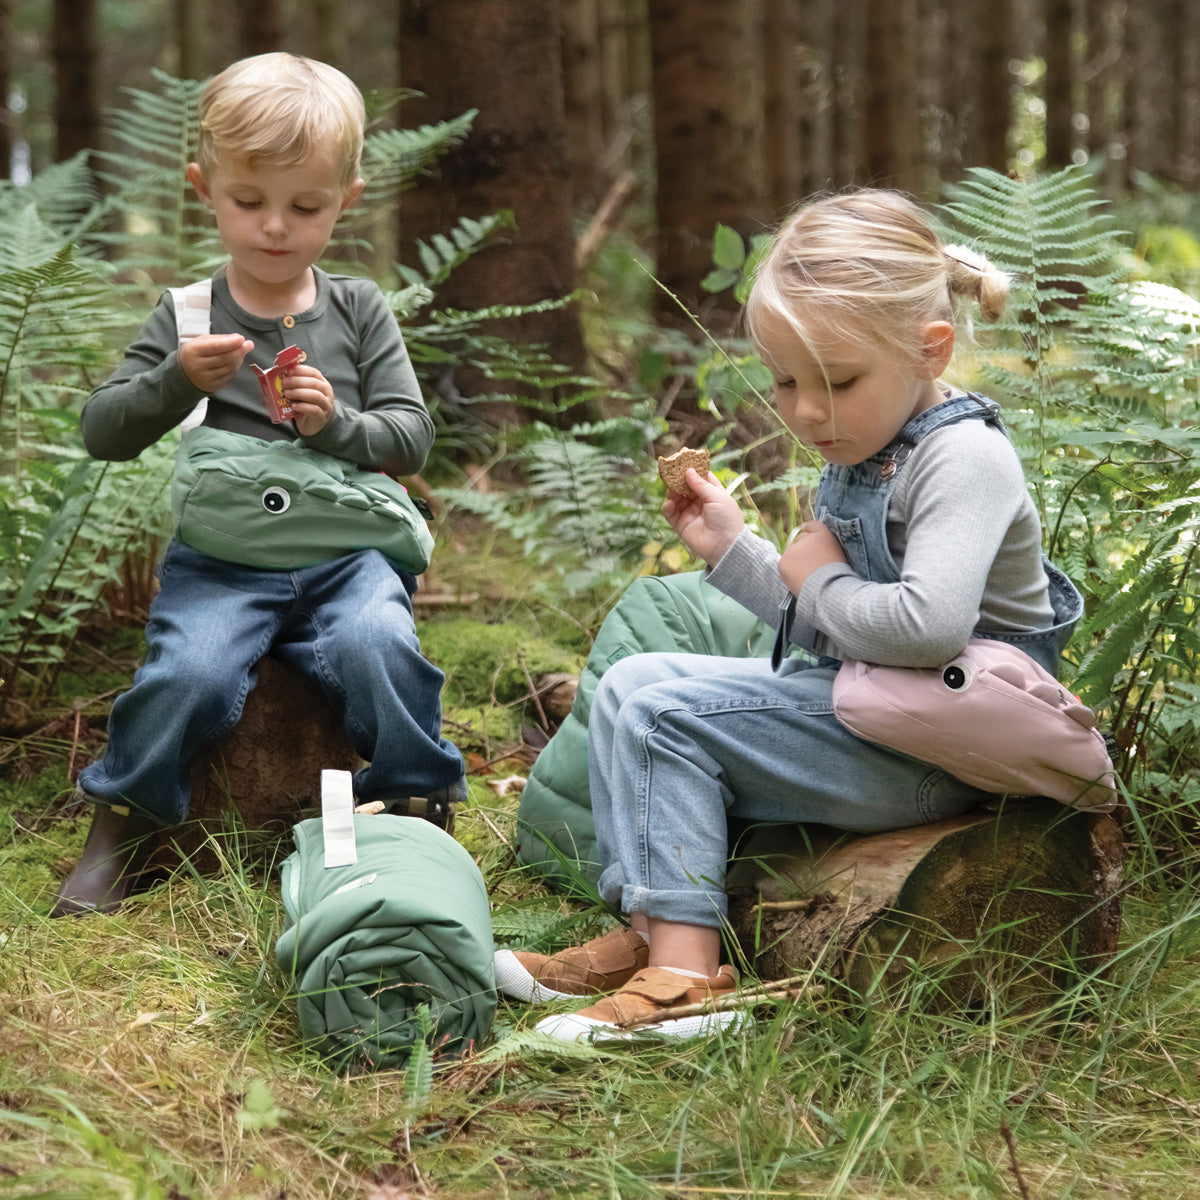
[656, 1002]
[596, 967]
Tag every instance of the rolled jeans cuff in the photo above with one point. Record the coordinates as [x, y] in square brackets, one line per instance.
[695, 906]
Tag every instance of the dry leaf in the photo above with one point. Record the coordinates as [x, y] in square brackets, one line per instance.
[510, 783]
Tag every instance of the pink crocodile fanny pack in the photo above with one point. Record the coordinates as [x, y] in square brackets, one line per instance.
[993, 718]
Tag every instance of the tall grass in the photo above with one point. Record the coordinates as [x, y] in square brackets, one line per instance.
[155, 1053]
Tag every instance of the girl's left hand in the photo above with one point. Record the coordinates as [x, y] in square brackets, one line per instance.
[813, 546]
[311, 396]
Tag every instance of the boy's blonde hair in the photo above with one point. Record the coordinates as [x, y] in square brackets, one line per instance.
[868, 262]
[278, 110]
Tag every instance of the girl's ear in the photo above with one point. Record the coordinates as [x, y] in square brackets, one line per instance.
[937, 345]
[195, 176]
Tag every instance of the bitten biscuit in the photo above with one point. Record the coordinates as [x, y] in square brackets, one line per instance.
[674, 468]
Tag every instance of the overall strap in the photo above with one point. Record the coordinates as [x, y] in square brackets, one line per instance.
[193, 318]
[966, 407]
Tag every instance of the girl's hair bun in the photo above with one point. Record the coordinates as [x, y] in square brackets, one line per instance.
[971, 274]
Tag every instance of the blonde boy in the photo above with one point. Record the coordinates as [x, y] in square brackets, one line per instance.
[281, 139]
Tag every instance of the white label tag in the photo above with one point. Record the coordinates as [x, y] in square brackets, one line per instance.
[337, 818]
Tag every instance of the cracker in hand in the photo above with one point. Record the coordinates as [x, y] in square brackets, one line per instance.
[673, 469]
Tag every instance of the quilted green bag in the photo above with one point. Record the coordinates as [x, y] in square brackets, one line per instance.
[281, 505]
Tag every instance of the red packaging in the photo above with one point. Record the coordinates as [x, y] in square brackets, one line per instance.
[271, 383]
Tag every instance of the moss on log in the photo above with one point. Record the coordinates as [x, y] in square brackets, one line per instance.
[1023, 898]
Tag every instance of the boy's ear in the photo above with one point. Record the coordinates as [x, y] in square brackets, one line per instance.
[195, 176]
[352, 194]
[936, 348]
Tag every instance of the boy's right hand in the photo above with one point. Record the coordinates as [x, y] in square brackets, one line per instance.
[707, 520]
[213, 359]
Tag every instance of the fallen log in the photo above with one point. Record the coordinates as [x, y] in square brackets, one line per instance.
[1023, 897]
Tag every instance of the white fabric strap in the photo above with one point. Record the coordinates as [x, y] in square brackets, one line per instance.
[193, 318]
[337, 818]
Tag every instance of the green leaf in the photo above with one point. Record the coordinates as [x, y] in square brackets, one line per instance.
[729, 251]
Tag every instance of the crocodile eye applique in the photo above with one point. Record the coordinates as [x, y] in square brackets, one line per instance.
[957, 675]
[276, 500]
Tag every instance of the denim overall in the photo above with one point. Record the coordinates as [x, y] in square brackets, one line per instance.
[853, 502]
[678, 743]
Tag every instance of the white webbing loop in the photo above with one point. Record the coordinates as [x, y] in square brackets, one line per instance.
[193, 318]
[337, 818]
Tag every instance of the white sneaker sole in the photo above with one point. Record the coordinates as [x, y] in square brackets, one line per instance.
[571, 1027]
[513, 980]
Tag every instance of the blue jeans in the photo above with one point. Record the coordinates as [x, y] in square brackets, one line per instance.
[346, 624]
[680, 742]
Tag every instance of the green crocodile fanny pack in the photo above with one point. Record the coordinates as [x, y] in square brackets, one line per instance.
[281, 505]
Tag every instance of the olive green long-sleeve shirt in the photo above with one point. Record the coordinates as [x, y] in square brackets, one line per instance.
[349, 334]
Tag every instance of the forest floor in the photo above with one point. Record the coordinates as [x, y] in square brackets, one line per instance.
[155, 1053]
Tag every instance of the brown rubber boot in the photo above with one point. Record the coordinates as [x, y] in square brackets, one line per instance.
[113, 854]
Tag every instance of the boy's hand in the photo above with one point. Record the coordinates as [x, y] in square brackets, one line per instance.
[311, 396]
[813, 546]
[213, 359]
[708, 520]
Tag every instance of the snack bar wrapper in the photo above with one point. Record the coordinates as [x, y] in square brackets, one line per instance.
[271, 383]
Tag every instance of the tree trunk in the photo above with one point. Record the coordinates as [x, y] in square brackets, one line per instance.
[188, 40]
[330, 42]
[994, 86]
[504, 58]
[76, 116]
[1103, 23]
[816, 113]
[260, 27]
[584, 108]
[1059, 85]
[782, 129]
[253, 785]
[1025, 899]
[6, 121]
[848, 55]
[1182, 25]
[705, 57]
[1145, 89]
[892, 133]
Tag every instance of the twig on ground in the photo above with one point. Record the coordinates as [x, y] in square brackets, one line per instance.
[533, 692]
[795, 988]
[607, 215]
[1011, 1142]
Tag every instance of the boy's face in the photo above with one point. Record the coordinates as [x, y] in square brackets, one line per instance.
[275, 222]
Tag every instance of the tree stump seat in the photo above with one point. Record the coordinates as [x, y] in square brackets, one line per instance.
[254, 784]
[1023, 896]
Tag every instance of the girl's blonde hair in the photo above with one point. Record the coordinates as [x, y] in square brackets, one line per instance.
[868, 261]
[278, 110]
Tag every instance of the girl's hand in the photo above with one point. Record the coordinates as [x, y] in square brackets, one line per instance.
[311, 396]
[213, 359]
[813, 546]
[708, 520]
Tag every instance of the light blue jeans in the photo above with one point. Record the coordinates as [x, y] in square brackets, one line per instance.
[347, 624]
[680, 742]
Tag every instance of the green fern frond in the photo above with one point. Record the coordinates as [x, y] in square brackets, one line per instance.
[444, 252]
[392, 158]
[523, 1044]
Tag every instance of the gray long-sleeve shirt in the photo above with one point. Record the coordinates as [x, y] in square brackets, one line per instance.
[349, 334]
[965, 535]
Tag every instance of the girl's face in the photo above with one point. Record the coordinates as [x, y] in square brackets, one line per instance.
[847, 395]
